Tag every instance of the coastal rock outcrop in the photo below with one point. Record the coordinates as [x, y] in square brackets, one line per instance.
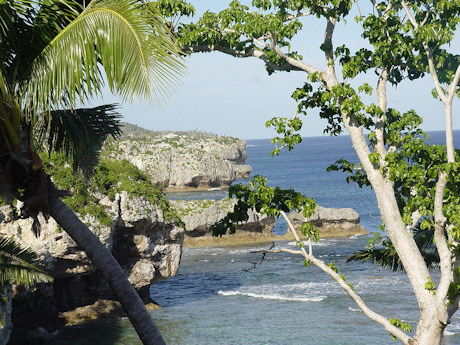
[182, 160]
[147, 247]
[331, 221]
[199, 215]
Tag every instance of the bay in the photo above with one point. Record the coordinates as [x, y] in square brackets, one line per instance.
[217, 299]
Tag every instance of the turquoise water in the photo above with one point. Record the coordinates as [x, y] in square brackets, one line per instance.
[213, 300]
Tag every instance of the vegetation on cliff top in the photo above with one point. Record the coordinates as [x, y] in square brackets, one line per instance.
[173, 138]
[109, 178]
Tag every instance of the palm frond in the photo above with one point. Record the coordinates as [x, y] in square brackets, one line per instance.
[132, 44]
[26, 28]
[78, 133]
[17, 265]
[387, 257]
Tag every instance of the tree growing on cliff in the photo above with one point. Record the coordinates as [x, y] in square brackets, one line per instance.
[52, 54]
[413, 181]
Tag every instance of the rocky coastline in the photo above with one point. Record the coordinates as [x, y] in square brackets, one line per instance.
[199, 215]
[182, 160]
[147, 246]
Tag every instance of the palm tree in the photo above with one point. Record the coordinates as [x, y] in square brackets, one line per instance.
[387, 257]
[52, 54]
[17, 265]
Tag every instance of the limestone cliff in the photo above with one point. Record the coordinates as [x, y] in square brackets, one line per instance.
[147, 247]
[199, 215]
[182, 160]
[331, 222]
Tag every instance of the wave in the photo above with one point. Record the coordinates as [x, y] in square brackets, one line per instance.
[453, 328]
[318, 244]
[449, 333]
[272, 296]
[357, 235]
[355, 310]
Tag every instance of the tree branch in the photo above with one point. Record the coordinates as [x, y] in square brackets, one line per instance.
[382, 102]
[445, 255]
[398, 333]
[454, 85]
[287, 67]
[298, 15]
[296, 63]
[409, 15]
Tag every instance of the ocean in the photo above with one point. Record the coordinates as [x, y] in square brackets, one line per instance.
[218, 299]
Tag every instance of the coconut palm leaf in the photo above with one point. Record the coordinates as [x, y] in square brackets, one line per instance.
[17, 265]
[387, 257]
[138, 54]
[78, 133]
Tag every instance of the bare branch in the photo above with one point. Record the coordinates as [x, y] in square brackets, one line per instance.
[298, 15]
[454, 84]
[299, 65]
[264, 253]
[260, 44]
[287, 67]
[409, 15]
[382, 102]
[445, 255]
[398, 333]
[328, 52]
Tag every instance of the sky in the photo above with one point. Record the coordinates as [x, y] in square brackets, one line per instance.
[228, 96]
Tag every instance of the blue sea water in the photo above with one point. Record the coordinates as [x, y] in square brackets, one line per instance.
[213, 300]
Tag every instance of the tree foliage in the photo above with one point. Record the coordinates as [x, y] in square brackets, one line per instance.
[18, 265]
[108, 178]
[265, 200]
[414, 182]
[54, 55]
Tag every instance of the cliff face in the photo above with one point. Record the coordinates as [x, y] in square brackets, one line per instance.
[199, 215]
[147, 247]
[331, 222]
[183, 160]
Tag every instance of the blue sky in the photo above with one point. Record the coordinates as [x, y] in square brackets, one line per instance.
[228, 96]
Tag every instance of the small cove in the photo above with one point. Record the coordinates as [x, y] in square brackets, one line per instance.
[214, 301]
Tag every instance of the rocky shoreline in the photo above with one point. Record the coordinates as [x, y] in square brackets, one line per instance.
[199, 215]
[147, 246]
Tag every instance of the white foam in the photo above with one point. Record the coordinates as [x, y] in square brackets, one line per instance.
[355, 310]
[356, 236]
[448, 333]
[317, 244]
[272, 296]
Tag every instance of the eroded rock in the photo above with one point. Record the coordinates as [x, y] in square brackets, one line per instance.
[331, 221]
[146, 245]
[183, 160]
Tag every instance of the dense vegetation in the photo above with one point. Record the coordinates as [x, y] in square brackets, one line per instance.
[109, 178]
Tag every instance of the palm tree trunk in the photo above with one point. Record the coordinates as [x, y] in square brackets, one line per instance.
[110, 269]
